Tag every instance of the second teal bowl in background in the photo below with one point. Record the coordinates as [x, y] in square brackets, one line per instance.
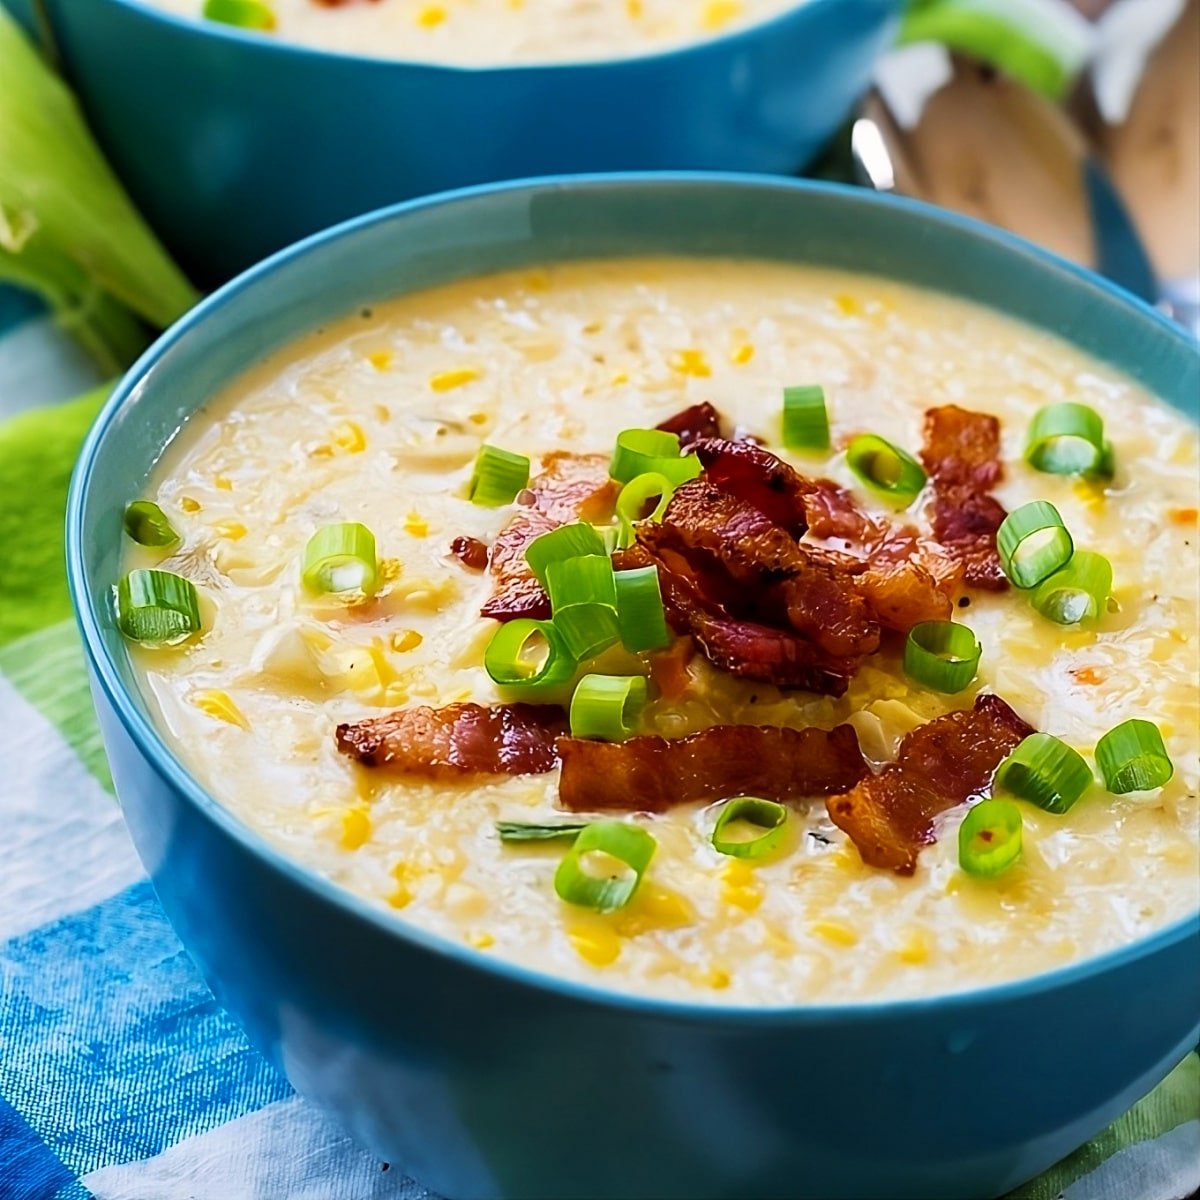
[234, 145]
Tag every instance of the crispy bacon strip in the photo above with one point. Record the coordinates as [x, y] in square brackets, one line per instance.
[571, 487]
[458, 740]
[941, 764]
[756, 477]
[692, 424]
[962, 455]
[652, 774]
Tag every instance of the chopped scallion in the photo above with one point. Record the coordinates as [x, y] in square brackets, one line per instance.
[1033, 543]
[567, 541]
[498, 476]
[885, 469]
[607, 706]
[942, 655]
[1067, 439]
[989, 839]
[1044, 771]
[148, 525]
[587, 629]
[604, 867]
[766, 821]
[643, 451]
[805, 418]
[245, 14]
[516, 831]
[1133, 758]
[528, 657]
[1079, 592]
[157, 607]
[340, 558]
[584, 579]
[640, 614]
[643, 498]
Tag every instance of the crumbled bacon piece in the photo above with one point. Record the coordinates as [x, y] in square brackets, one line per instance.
[758, 478]
[458, 740]
[652, 774]
[571, 487]
[962, 455]
[692, 424]
[471, 552]
[941, 764]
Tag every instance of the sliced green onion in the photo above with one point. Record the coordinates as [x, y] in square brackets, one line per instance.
[340, 558]
[641, 617]
[515, 831]
[885, 469]
[157, 607]
[1106, 468]
[147, 525]
[607, 707]
[1079, 592]
[245, 14]
[587, 629]
[1066, 439]
[942, 655]
[567, 541]
[642, 451]
[585, 579]
[528, 657]
[805, 418]
[768, 818]
[1132, 758]
[1045, 772]
[1033, 543]
[989, 839]
[614, 537]
[604, 867]
[649, 491]
[498, 476]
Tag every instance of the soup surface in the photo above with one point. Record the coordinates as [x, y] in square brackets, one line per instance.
[499, 32]
[378, 420]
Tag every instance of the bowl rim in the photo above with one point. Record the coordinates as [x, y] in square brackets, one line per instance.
[248, 38]
[154, 749]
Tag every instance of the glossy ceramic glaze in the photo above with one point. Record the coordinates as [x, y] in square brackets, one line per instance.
[234, 145]
[484, 1080]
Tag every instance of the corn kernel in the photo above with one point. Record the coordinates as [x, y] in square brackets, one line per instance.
[1091, 494]
[740, 889]
[742, 354]
[914, 950]
[456, 377]
[595, 943]
[416, 524]
[356, 828]
[1088, 675]
[691, 362]
[718, 13]
[400, 898]
[232, 531]
[835, 932]
[1184, 516]
[654, 907]
[847, 305]
[389, 570]
[718, 978]
[633, 9]
[321, 450]
[405, 640]
[220, 707]
[478, 418]
[431, 16]
[223, 482]
[189, 505]
[350, 437]
[380, 359]
[478, 940]
[537, 281]
[619, 378]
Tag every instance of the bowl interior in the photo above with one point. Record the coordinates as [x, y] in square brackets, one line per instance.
[429, 242]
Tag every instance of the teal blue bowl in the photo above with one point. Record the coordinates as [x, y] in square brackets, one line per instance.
[487, 1080]
[234, 144]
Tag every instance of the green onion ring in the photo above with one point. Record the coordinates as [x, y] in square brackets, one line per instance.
[628, 844]
[517, 831]
[642, 451]
[245, 14]
[498, 476]
[1033, 543]
[1066, 439]
[805, 418]
[942, 655]
[641, 617]
[607, 707]
[885, 469]
[1132, 758]
[1079, 592]
[507, 660]
[147, 524]
[157, 607]
[584, 579]
[635, 497]
[989, 839]
[567, 541]
[340, 558]
[767, 815]
[1044, 771]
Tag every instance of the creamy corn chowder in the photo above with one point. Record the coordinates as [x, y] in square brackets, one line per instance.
[377, 423]
[487, 32]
